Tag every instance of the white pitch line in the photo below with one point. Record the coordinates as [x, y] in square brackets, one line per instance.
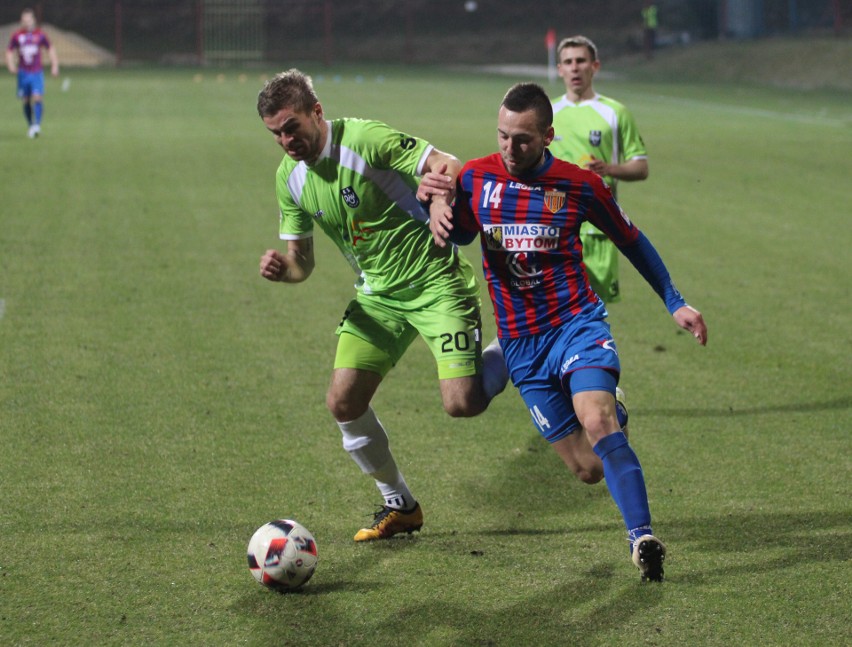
[818, 119]
[540, 71]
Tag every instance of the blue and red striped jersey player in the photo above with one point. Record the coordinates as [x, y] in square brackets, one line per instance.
[23, 57]
[526, 207]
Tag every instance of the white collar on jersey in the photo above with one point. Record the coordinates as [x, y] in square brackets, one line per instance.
[326, 149]
[584, 102]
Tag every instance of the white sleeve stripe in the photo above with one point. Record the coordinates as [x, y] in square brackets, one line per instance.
[422, 161]
[296, 182]
[611, 117]
[308, 234]
[389, 181]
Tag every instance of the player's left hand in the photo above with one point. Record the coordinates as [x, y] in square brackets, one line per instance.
[436, 183]
[690, 319]
[440, 221]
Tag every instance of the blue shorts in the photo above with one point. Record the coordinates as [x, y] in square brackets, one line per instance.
[30, 83]
[549, 367]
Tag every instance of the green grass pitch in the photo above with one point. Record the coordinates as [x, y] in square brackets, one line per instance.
[159, 400]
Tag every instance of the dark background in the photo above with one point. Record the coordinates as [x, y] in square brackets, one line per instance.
[412, 31]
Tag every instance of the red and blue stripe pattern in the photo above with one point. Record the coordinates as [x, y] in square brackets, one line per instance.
[529, 231]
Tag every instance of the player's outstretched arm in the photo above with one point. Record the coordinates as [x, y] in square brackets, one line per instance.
[690, 319]
[647, 261]
[293, 267]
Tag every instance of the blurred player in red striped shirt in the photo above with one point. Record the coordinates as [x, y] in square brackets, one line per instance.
[23, 57]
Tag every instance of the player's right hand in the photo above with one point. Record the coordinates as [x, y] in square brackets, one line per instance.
[273, 265]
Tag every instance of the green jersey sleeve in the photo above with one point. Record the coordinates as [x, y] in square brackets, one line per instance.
[631, 143]
[294, 223]
[389, 149]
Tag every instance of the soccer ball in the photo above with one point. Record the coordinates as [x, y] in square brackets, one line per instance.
[282, 555]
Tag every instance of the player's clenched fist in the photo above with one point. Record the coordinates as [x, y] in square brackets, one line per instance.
[272, 265]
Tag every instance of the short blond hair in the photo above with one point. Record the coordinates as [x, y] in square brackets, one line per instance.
[579, 41]
[291, 89]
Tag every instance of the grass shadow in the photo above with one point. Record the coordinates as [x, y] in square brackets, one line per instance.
[806, 537]
[804, 407]
[533, 481]
[559, 613]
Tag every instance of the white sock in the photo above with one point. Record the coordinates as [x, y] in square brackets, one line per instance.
[367, 443]
[393, 487]
[495, 375]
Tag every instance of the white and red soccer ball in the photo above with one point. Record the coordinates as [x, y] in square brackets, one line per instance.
[282, 555]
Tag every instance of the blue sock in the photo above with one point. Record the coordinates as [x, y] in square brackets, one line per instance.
[626, 483]
[28, 113]
[38, 110]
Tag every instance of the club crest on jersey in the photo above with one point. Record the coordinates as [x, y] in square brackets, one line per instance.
[554, 200]
[595, 137]
[350, 197]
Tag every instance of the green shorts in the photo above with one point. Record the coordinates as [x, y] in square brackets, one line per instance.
[376, 330]
[600, 257]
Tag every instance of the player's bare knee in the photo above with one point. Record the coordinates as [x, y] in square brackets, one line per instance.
[463, 397]
[597, 425]
[344, 409]
[464, 407]
[456, 409]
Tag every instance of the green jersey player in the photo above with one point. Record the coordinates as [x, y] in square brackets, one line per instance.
[356, 181]
[599, 134]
